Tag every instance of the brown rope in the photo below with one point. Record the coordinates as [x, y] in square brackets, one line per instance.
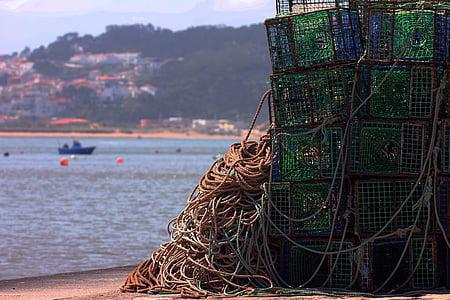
[267, 94]
[215, 243]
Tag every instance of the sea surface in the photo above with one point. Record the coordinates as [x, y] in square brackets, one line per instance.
[94, 213]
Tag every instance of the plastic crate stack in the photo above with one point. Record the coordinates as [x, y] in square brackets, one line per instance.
[391, 138]
[314, 48]
[349, 158]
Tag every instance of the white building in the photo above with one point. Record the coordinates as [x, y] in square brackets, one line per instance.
[149, 89]
[202, 124]
[90, 59]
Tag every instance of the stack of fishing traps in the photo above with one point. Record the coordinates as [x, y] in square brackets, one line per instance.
[360, 186]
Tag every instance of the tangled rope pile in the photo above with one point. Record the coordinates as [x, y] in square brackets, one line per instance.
[216, 242]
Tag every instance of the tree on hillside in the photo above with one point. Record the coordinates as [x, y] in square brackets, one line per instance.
[215, 72]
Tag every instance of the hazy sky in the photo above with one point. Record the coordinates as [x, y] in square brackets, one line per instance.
[38, 22]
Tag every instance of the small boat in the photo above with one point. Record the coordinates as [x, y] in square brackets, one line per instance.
[76, 149]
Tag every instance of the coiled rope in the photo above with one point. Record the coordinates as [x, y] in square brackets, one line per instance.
[216, 240]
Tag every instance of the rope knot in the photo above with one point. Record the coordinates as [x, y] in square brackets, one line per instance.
[425, 199]
[401, 233]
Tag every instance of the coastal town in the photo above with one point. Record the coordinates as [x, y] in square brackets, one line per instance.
[32, 99]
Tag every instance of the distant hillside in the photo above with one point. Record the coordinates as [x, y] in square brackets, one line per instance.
[216, 72]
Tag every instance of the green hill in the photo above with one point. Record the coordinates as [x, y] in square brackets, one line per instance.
[223, 72]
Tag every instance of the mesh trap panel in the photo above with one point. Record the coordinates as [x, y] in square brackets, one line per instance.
[441, 73]
[303, 6]
[382, 256]
[443, 199]
[310, 198]
[447, 265]
[306, 154]
[343, 272]
[391, 98]
[442, 47]
[425, 275]
[302, 41]
[422, 95]
[401, 92]
[312, 97]
[331, 159]
[353, 43]
[302, 264]
[276, 157]
[388, 148]
[379, 200]
[385, 255]
[413, 151]
[380, 35]
[365, 268]
[280, 208]
[414, 35]
[306, 200]
[379, 149]
[445, 151]
[280, 44]
[300, 157]
[313, 38]
[409, 34]
[410, 4]
[331, 91]
[292, 102]
[326, 37]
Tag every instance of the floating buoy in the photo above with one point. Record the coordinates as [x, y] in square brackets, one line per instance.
[74, 157]
[178, 150]
[120, 160]
[156, 151]
[6, 154]
[64, 162]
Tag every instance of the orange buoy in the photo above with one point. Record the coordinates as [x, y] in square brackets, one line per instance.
[120, 160]
[64, 162]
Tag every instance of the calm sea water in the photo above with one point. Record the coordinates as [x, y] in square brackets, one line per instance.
[94, 213]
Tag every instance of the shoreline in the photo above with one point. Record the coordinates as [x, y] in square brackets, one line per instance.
[105, 284]
[95, 284]
[143, 135]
